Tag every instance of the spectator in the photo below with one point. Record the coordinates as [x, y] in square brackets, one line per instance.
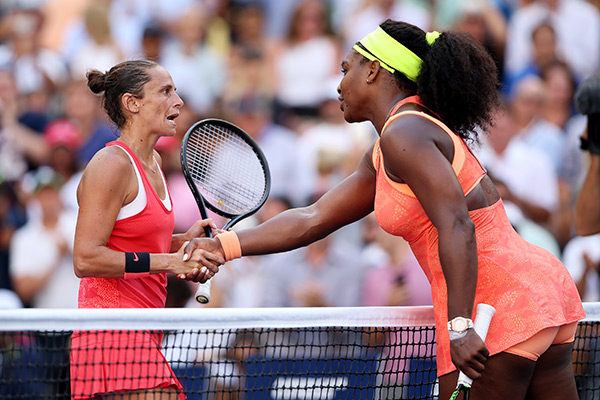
[523, 174]
[36, 69]
[58, 16]
[398, 279]
[370, 13]
[526, 108]
[558, 109]
[20, 146]
[250, 70]
[99, 50]
[572, 20]
[485, 22]
[250, 76]
[582, 258]
[44, 278]
[303, 62]
[152, 42]
[326, 273]
[63, 137]
[544, 49]
[248, 28]
[12, 217]
[198, 70]
[83, 108]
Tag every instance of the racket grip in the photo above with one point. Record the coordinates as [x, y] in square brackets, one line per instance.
[203, 292]
[485, 312]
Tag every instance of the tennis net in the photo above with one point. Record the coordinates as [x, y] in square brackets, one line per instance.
[266, 353]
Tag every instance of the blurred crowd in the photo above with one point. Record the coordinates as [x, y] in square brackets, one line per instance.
[272, 68]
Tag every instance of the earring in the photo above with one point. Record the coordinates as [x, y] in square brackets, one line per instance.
[368, 81]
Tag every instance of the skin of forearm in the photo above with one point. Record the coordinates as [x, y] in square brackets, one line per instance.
[177, 241]
[107, 263]
[102, 263]
[458, 257]
[287, 231]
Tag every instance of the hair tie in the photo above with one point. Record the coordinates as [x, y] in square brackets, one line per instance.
[432, 36]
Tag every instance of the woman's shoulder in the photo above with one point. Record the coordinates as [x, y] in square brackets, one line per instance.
[413, 124]
[109, 160]
[108, 172]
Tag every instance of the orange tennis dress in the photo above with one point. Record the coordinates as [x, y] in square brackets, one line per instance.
[115, 361]
[529, 287]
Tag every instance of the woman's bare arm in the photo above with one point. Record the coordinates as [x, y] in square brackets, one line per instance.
[107, 184]
[349, 201]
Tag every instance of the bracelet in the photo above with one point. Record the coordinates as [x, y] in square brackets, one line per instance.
[230, 244]
[137, 265]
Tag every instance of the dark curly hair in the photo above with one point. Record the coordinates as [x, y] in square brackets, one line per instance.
[125, 77]
[458, 78]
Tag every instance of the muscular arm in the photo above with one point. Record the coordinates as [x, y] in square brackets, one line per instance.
[417, 152]
[587, 207]
[107, 184]
[349, 201]
[103, 190]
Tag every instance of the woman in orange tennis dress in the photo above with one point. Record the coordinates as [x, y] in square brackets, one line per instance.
[124, 242]
[426, 93]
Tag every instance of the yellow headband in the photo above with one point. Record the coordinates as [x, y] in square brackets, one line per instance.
[391, 54]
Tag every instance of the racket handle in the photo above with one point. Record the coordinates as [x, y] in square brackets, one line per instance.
[203, 292]
[485, 312]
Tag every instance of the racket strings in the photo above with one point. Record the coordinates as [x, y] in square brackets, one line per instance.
[225, 169]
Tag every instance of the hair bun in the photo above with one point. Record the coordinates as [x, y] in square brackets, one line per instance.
[96, 81]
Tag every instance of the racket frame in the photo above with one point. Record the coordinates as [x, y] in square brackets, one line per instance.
[203, 292]
[202, 203]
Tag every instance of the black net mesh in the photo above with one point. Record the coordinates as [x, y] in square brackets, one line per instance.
[251, 363]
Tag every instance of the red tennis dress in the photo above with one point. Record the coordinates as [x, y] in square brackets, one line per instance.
[116, 361]
[529, 287]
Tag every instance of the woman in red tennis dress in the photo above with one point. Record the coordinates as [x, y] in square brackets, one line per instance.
[124, 242]
[426, 93]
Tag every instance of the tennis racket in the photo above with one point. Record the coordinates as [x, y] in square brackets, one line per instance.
[485, 312]
[226, 172]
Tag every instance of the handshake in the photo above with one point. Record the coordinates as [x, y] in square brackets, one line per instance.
[201, 255]
[587, 102]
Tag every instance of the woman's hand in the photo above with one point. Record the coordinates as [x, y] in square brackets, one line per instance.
[205, 246]
[469, 354]
[195, 231]
[198, 265]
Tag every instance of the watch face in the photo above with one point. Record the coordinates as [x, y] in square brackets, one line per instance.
[459, 325]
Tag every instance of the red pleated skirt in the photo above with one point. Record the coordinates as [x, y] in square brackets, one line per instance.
[119, 361]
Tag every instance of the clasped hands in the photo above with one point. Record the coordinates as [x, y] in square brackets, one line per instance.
[200, 257]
